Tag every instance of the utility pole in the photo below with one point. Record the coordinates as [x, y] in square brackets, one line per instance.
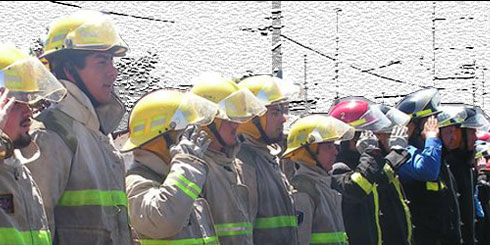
[276, 39]
[434, 43]
[336, 78]
[307, 105]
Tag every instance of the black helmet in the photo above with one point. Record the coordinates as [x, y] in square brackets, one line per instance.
[420, 104]
[464, 115]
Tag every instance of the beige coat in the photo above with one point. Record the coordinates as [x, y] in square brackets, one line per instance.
[273, 213]
[22, 216]
[321, 207]
[84, 191]
[228, 197]
[164, 203]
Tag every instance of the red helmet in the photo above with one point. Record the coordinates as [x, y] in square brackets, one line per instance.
[360, 115]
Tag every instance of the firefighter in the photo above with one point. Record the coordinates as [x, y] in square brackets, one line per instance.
[458, 124]
[165, 180]
[80, 173]
[312, 145]
[428, 183]
[274, 216]
[379, 214]
[24, 84]
[224, 188]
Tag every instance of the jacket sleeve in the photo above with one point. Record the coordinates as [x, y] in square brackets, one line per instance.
[304, 204]
[423, 165]
[51, 170]
[355, 185]
[162, 210]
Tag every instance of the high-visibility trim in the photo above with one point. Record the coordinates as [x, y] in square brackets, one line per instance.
[330, 237]
[376, 213]
[276, 222]
[93, 197]
[13, 236]
[362, 182]
[434, 186]
[421, 113]
[139, 129]
[204, 240]
[233, 229]
[358, 122]
[478, 155]
[396, 183]
[186, 186]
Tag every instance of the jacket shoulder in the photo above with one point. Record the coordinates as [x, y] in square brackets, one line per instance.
[60, 123]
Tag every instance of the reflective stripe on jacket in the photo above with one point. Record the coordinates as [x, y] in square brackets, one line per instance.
[84, 190]
[163, 200]
[227, 196]
[22, 217]
[273, 213]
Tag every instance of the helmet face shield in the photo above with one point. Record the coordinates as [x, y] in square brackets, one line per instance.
[241, 106]
[373, 120]
[397, 118]
[193, 110]
[30, 82]
[478, 122]
[421, 103]
[466, 117]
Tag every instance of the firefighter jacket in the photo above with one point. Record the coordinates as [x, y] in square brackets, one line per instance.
[80, 173]
[361, 181]
[460, 165]
[22, 217]
[321, 206]
[164, 202]
[227, 195]
[434, 207]
[273, 216]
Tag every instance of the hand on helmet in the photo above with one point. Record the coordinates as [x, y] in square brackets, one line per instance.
[366, 140]
[431, 129]
[5, 106]
[193, 141]
[399, 137]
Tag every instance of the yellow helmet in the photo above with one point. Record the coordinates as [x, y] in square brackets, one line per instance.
[265, 87]
[165, 110]
[26, 78]
[235, 104]
[84, 30]
[316, 129]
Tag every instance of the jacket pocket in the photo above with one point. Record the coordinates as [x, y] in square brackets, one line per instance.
[82, 236]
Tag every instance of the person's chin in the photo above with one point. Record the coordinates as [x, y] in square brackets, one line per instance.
[23, 141]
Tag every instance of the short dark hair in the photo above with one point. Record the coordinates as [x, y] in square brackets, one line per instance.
[67, 59]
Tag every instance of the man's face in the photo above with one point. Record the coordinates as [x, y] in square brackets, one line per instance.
[99, 74]
[228, 132]
[471, 138]
[451, 137]
[327, 152]
[18, 123]
[276, 116]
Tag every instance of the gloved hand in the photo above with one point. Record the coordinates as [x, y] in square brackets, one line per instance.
[366, 140]
[5, 107]
[193, 141]
[431, 129]
[399, 137]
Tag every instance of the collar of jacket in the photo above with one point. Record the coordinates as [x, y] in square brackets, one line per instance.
[261, 147]
[151, 161]
[77, 105]
[316, 172]
[23, 156]
[227, 156]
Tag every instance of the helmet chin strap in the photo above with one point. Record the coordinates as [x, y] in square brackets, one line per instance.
[307, 148]
[256, 122]
[79, 82]
[213, 129]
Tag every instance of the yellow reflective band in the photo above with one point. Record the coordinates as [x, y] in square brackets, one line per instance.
[478, 155]
[421, 113]
[362, 182]
[13, 236]
[93, 197]
[358, 122]
[205, 240]
[185, 185]
[139, 129]
[58, 39]
[396, 183]
[158, 123]
[233, 229]
[276, 222]
[330, 237]
[376, 213]
[434, 186]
